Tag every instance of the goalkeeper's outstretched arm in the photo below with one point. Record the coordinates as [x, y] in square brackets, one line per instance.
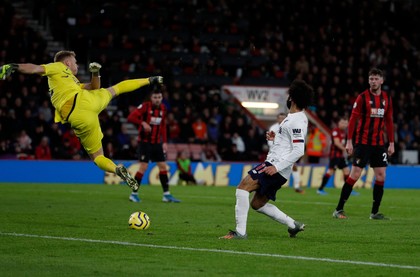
[25, 68]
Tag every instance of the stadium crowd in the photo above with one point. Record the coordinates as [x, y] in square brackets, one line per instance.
[199, 46]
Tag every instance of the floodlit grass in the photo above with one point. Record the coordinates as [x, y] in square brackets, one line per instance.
[82, 230]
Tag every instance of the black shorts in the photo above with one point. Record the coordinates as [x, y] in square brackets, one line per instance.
[153, 152]
[376, 156]
[269, 185]
[339, 163]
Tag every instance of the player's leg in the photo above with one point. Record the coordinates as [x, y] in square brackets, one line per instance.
[133, 84]
[85, 123]
[164, 181]
[379, 164]
[296, 179]
[346, 191]
[269, 185]
[134, 196]
[361, 157]
[245, 187]
[378, 191]
[325, 179]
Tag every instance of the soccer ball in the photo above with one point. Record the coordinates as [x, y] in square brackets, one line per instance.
[139, 221]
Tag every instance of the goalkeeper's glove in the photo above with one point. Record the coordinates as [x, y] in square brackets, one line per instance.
[156, 80]
[94, 68]
[7, 69]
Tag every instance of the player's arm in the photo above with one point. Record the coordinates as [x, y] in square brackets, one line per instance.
[95, 81]
[354, 117]
[135, 117]
[389, 125]
[164, 133]
[338, 144]
[25, 68]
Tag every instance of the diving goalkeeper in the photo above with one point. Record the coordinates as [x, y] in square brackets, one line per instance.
[80, 103]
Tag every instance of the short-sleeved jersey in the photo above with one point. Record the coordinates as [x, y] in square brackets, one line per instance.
[289, 143]
[335, 152]
[155, 117]
[371, 113]
[62, 83]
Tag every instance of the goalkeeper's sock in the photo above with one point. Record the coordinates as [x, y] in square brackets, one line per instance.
[130, 85]
[105, 164]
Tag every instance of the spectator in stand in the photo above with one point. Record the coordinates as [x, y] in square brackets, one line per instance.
[23, 145]
[200, 130]
[129, 152]
[186, 131]
[43, 150]
[317, 142]
[65, 151]
[174, 130]
[224, 145]
[209, 154]
[74, 142]
[183, 165]
[239, 142]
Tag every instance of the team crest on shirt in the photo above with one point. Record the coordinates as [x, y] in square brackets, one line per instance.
[354, 105]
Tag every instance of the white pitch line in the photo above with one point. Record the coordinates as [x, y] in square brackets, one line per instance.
[214, 251]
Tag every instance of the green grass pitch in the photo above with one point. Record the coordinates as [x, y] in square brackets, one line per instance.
[82, 230]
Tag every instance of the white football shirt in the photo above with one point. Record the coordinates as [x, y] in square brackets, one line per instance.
[289, 143]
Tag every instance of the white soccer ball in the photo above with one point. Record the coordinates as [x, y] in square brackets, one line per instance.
[139, 221]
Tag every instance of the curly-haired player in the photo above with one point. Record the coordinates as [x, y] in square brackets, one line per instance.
[267, 178]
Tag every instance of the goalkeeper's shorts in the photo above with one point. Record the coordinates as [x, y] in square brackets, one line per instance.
[84, 117]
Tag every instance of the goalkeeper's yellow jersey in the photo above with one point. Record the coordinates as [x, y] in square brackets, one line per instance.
[62, 83]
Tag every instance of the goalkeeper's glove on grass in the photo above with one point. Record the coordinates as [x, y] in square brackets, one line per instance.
[156, 80]
[7, 69]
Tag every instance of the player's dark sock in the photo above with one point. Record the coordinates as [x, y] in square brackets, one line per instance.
[163, 177]
[345, 193]
[324, 181]
[378, 192]
[138, 177]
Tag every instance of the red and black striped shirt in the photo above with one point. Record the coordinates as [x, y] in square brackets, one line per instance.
[155, 116]
[370, 114]
[336, 152]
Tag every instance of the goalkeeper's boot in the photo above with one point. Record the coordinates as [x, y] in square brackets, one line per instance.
[169, 198]
[134, 197]
[156, 80]
[122, 172]
[298, 228]
[7, 69]
[234, 235]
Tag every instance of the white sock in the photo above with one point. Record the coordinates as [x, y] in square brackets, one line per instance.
[296, 179]
[241, 210]
[274, 212]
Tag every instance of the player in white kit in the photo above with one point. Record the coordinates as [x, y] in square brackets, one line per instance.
[295, 170]
[267, 178]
